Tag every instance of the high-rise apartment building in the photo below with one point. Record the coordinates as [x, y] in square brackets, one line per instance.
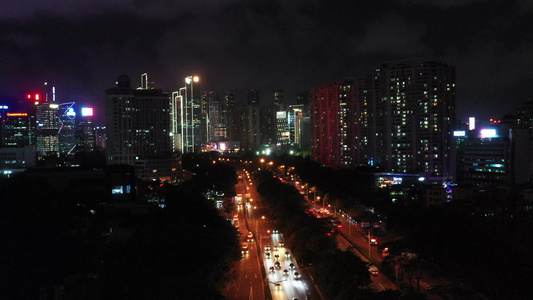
[268, 127]
[414, 111]
[138, 126]
[252, 134]
[229, 117]
[331, 143]
[399, 119]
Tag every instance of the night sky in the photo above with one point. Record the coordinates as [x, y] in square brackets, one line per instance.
[82, 46]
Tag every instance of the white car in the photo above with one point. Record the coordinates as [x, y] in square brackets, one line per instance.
[296, 275]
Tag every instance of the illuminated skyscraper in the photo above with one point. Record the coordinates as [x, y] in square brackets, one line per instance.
[67, 129]
[414, 109]
[47, 128]
[16, 130]
[331, 143]
[138, 131]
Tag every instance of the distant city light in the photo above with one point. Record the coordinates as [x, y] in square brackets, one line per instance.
[17, 114]
[459, 133]
[472, 123]
[87, 111]
[70, 112]
[488, 133]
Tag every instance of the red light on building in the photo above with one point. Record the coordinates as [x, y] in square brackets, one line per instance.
[35, 97]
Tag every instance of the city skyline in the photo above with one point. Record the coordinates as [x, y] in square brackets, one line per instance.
[235, 46]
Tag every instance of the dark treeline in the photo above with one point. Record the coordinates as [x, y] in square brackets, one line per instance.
[487, 253]
[56, 241]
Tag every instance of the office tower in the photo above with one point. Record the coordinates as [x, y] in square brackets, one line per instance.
[277, 100]
[251, 138]
[295, 124]
[67, 129]
[414, 111]
[208, 115]
[101, 137]
[302, 98]
[230, 117]
[16, 129]
[138, 131]
[186, 117]
[85, 130]
[268, 127]
[282, 129]
[217, 128]
[47, 129]
[331, 119]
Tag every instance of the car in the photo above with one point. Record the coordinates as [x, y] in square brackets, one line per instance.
[373, 241]
[250, 237]
[281, 244]
[275, 231]
[292, 266]
[296, 275]
[236, 217]
[244, 248]
[267, 248]
[277, 265]
[267, 254]
[277, 286]
[276, 256]
[287, 254]
[271, 269]
[276, 248]
[286, 272]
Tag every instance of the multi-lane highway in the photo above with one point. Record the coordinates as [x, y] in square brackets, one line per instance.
[253, 274]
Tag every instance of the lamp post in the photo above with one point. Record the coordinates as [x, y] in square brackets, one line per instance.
[262, 163]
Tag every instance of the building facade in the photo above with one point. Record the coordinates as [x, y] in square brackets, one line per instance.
[138, 127]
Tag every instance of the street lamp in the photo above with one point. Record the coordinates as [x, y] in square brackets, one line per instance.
[262, 162]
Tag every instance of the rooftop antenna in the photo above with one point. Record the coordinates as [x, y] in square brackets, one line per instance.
[46, 89]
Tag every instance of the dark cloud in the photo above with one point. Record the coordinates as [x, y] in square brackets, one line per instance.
[82, 46]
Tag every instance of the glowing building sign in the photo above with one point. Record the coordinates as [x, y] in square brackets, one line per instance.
[17, 114]
[472, 123]
[70, 112]
[459, 133]
[87, 111]
[488, 133]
